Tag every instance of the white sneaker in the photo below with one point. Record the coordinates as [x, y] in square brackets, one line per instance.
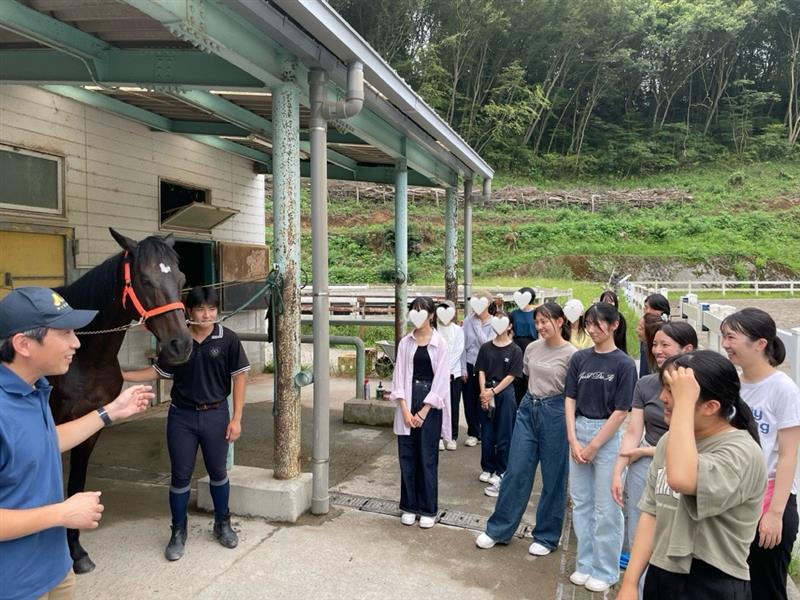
[485, 476]
[484, 541]
[538, 550]
[493, 491]
[579, 578]
[451, 445]
[427, 522]
[471, 441]
[495, 479]
[441, 444]
[596, 585]
[408, 518]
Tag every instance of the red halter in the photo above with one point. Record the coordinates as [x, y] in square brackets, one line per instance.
[129, 292]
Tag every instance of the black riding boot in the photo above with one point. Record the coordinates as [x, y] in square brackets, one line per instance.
[177, 543]
[224, 533]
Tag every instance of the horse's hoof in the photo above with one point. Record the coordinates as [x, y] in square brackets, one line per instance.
[83, 565]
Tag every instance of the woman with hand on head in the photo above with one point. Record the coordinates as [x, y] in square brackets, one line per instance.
[421, 388]
[539, 438]
[599, 390]
[499, 362]
[749, 336]
[477, 331]
[702, 501]
[647, 419]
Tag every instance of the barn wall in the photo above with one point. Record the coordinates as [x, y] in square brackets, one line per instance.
[112, 168]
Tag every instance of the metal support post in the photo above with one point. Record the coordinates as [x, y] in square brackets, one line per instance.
[400, 250]
[286, 236]
[450, 237]
[467, 244]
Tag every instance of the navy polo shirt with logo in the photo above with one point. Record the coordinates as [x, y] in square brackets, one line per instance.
[206, 377]
[30, 477]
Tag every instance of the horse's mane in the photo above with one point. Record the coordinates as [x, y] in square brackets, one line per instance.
[103, 283]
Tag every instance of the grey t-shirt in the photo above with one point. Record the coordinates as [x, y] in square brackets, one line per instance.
[546, 368]
[646, 396]
[717, 524]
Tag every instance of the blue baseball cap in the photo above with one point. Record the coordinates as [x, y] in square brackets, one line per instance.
[27, 308]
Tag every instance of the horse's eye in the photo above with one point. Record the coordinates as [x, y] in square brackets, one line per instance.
[147, 282]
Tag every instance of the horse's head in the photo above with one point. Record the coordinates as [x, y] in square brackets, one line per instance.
[157, 282]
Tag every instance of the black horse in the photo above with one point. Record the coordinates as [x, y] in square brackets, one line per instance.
[143, 282]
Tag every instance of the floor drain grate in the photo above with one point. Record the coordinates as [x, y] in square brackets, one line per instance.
[454, 518]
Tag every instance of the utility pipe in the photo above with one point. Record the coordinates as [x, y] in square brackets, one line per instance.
[400, 250]
[321, 111]
[467, 244]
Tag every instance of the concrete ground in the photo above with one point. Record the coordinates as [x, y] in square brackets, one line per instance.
[347, 553]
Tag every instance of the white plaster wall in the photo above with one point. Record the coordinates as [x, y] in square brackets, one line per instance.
[112, 168]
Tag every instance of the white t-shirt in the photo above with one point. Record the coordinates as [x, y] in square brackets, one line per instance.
[454, 336]
[775, 402]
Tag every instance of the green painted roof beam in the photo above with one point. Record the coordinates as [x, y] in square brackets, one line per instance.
[148, 68]
[37, 26]
[232, 148]
[368, 174]
[213, 29]
[208, 128]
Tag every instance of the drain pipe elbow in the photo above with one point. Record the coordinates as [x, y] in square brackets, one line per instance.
[354, 99]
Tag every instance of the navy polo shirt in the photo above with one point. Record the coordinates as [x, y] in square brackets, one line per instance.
[30, 477]
[206, 377]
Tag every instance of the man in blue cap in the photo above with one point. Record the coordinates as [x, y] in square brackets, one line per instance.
[37, 339]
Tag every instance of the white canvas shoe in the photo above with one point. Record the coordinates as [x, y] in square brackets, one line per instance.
[538, 550]
[485, 476]
[579, 578]
[596, 585]
[484, 541]
[451, 445]
[471, 441]
[408, 518]
[441, 445]
[427, 522]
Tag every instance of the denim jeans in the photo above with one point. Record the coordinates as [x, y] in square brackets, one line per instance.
[418, 454]
[496, 432]
[540, 437]
[596, 518]
[635, 480]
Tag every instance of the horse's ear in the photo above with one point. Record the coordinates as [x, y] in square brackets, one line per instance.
[169, 240]
[125, 243]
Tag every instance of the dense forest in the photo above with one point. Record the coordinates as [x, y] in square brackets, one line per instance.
[588, 87]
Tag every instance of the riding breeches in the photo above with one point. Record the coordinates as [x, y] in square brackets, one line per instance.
[187, 429]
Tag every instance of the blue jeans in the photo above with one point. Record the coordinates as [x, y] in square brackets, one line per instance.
[418, 454]
[540, 437]
[635, 480]
[496, 432]
[596, 518]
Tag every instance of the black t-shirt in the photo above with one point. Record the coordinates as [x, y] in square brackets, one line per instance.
[206, 377]
[423, 369]
[497, 362]
[600, 382]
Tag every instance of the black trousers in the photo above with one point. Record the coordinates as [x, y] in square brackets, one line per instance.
[472, 403]
[455, 403]
[521, 383]
[703, 582]
[768, 568]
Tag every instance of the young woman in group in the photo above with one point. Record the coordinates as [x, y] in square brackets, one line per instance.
[654, 304]
[421, 388]
[599, 390]
[573, 310]
[524, 333]
[621, 333]
[539, 438]
[749, 336]
[499, 362]
[645, 330]
[453, 334]
[477, 331]
[647, 419]
[704, 490]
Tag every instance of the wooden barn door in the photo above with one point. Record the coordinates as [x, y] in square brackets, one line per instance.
[31, 258]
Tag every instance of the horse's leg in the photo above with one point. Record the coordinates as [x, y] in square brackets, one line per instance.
[78, 463]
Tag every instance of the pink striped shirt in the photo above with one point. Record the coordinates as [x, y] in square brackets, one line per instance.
[402, 382]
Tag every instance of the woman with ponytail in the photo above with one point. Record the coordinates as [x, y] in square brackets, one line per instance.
[539, 438]
[749, 336]
[704, 490]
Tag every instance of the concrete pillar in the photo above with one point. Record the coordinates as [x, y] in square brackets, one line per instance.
[451, 238]
[467, 244]
[286, 227]
[400, 249]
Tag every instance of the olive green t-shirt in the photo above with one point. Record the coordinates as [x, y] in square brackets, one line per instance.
[718, 524]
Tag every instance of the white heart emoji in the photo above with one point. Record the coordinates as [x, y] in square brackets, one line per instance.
[418, 317]
[500, 325]
[573, 310]
[445, 314]
[522, 300]
[478, 304]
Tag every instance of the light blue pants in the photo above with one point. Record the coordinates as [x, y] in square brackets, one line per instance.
[635, 480]
[596, 518]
